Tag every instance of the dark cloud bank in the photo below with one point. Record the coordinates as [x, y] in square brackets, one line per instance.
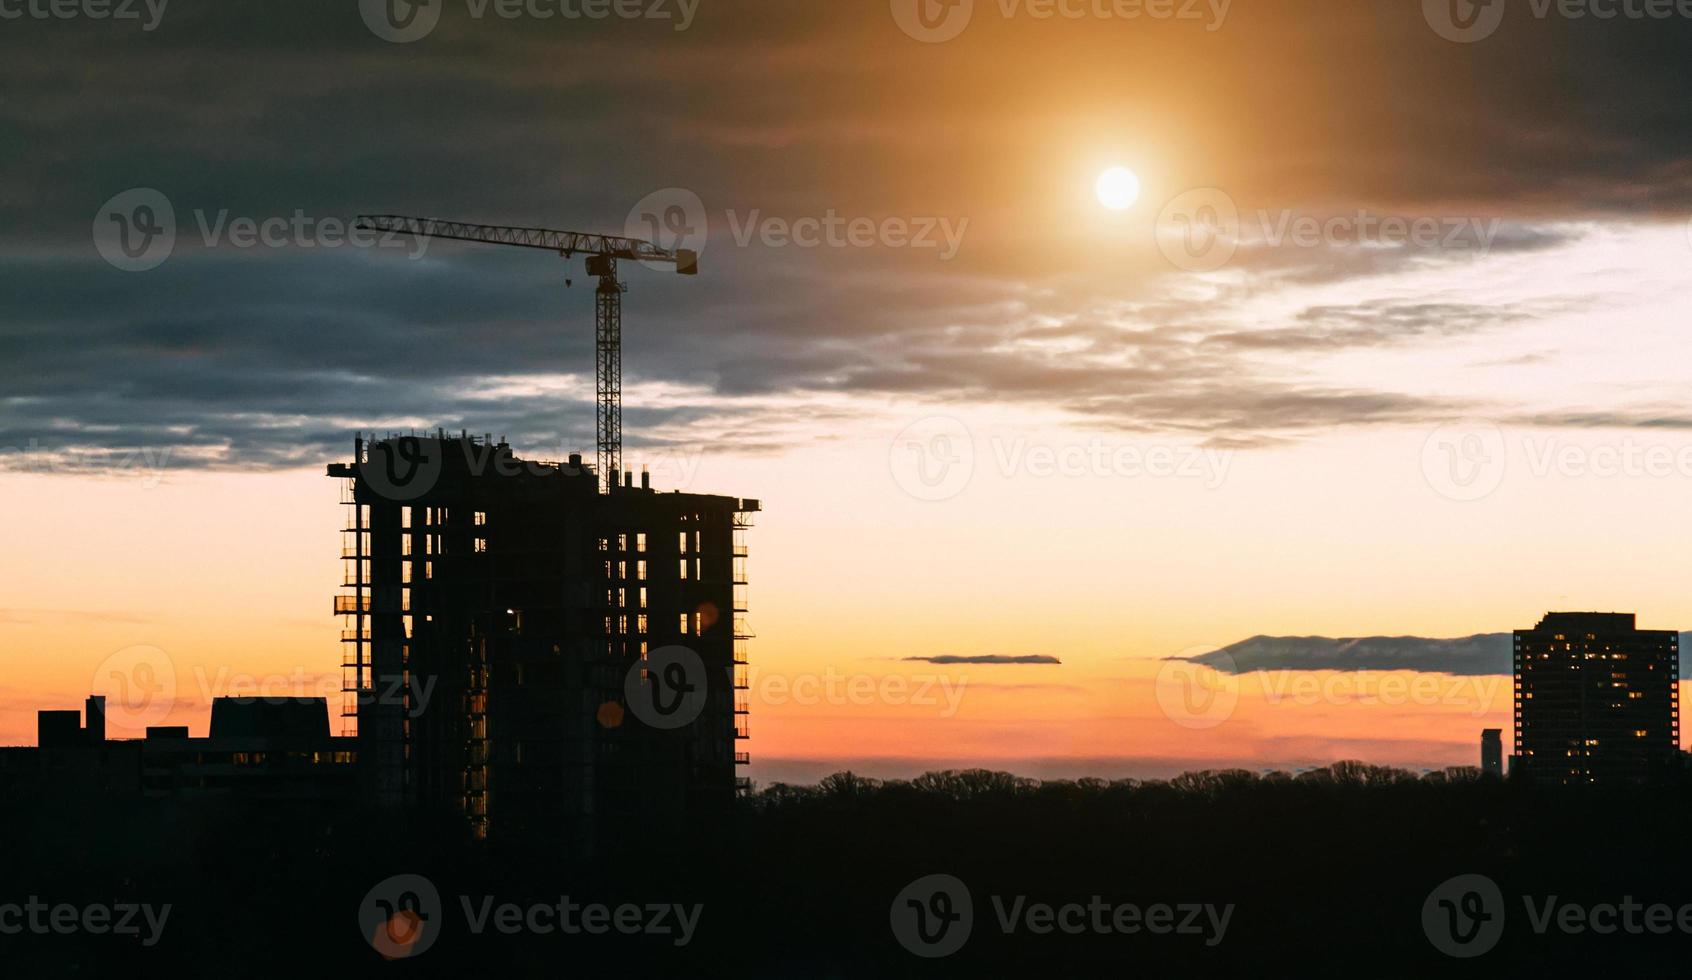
[1483, 653]
[274, 356]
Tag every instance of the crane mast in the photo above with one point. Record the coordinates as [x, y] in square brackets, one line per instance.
[602, 253]
[608, 369]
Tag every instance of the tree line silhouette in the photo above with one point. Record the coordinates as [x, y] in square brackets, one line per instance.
[1327, 869]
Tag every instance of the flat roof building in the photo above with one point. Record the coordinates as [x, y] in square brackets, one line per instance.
[1492, 752]
[269, 748]
[1596, 699]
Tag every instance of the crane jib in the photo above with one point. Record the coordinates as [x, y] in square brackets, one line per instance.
[566, 243]
[601, 253]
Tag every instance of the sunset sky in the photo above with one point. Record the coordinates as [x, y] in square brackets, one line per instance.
[1390, 343]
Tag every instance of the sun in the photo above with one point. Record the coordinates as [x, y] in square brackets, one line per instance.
[1118, 188]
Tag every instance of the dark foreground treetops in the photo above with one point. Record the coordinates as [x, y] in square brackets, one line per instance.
[1329, 870]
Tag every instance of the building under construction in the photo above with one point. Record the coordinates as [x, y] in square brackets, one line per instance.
[497, 610]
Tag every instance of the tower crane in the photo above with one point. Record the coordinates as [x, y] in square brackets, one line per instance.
[602, 253]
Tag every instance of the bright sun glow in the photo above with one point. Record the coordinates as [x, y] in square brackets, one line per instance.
[1118, 188]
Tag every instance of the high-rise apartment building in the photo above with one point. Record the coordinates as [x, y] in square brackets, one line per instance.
[1596, 700]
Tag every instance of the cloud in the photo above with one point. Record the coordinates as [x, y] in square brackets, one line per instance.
[987, 658]
[1483, 653]
[273, 357]
[1480, 654]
